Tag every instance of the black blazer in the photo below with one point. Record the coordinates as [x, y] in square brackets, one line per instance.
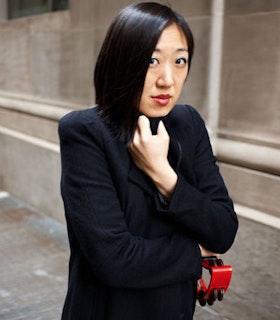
[133, 256]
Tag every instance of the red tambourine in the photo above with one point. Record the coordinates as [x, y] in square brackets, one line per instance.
[218, 284]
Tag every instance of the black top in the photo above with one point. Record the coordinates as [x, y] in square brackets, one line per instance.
[133, 256]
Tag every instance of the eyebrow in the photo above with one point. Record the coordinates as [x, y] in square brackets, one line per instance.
[177, 50]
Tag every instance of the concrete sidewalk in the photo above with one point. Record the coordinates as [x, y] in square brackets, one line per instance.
[34, 264]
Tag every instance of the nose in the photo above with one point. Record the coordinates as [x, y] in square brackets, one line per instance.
[165, 78]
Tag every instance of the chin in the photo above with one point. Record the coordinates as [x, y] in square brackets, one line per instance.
[161, 112]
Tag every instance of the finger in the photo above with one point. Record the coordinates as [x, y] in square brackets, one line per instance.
[135, 138]
[161, 131]
[144, 127]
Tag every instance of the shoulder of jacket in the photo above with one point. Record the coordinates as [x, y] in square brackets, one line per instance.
[187, 113]
[79, 119]
[85, 124]
[185, 110]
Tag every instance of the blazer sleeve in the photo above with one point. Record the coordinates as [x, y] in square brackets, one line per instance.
[204, 210]
[93, 212]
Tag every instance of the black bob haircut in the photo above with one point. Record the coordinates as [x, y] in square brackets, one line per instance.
[124, 59]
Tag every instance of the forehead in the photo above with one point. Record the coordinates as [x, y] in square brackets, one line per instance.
[172, 36]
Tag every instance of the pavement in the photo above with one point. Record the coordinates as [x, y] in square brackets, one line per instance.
[34, 264]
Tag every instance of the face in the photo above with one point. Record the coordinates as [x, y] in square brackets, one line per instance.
[166, 74]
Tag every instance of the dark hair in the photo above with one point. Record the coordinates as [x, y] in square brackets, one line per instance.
[124, 59]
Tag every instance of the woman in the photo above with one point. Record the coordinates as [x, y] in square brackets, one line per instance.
[143, 197]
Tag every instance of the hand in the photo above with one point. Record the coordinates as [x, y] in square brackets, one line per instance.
[149, 152]
[206, 253]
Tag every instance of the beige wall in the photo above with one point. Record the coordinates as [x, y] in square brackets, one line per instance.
[250, 97]
[46, 66]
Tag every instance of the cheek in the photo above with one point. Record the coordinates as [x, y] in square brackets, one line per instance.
[181, 81]
[143, 100]
[147, 84]
[147, 90]
[150, 79]
[144, 96]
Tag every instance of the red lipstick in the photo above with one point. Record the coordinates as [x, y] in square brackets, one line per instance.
[162, 99]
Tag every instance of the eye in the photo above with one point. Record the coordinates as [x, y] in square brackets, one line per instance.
[181, 61]
[154, 61]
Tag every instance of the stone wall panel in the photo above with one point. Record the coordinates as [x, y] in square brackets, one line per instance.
[250, 92]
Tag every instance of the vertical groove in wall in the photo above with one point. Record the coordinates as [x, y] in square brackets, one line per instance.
[215, 61]
[3, 10]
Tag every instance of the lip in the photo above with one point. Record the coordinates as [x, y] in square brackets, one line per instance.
[162, 99]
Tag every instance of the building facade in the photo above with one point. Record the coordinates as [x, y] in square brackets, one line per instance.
[46, 70]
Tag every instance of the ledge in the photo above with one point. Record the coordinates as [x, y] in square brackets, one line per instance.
[52, 110]
[46, 145]
[257, 216]
[261, 158]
